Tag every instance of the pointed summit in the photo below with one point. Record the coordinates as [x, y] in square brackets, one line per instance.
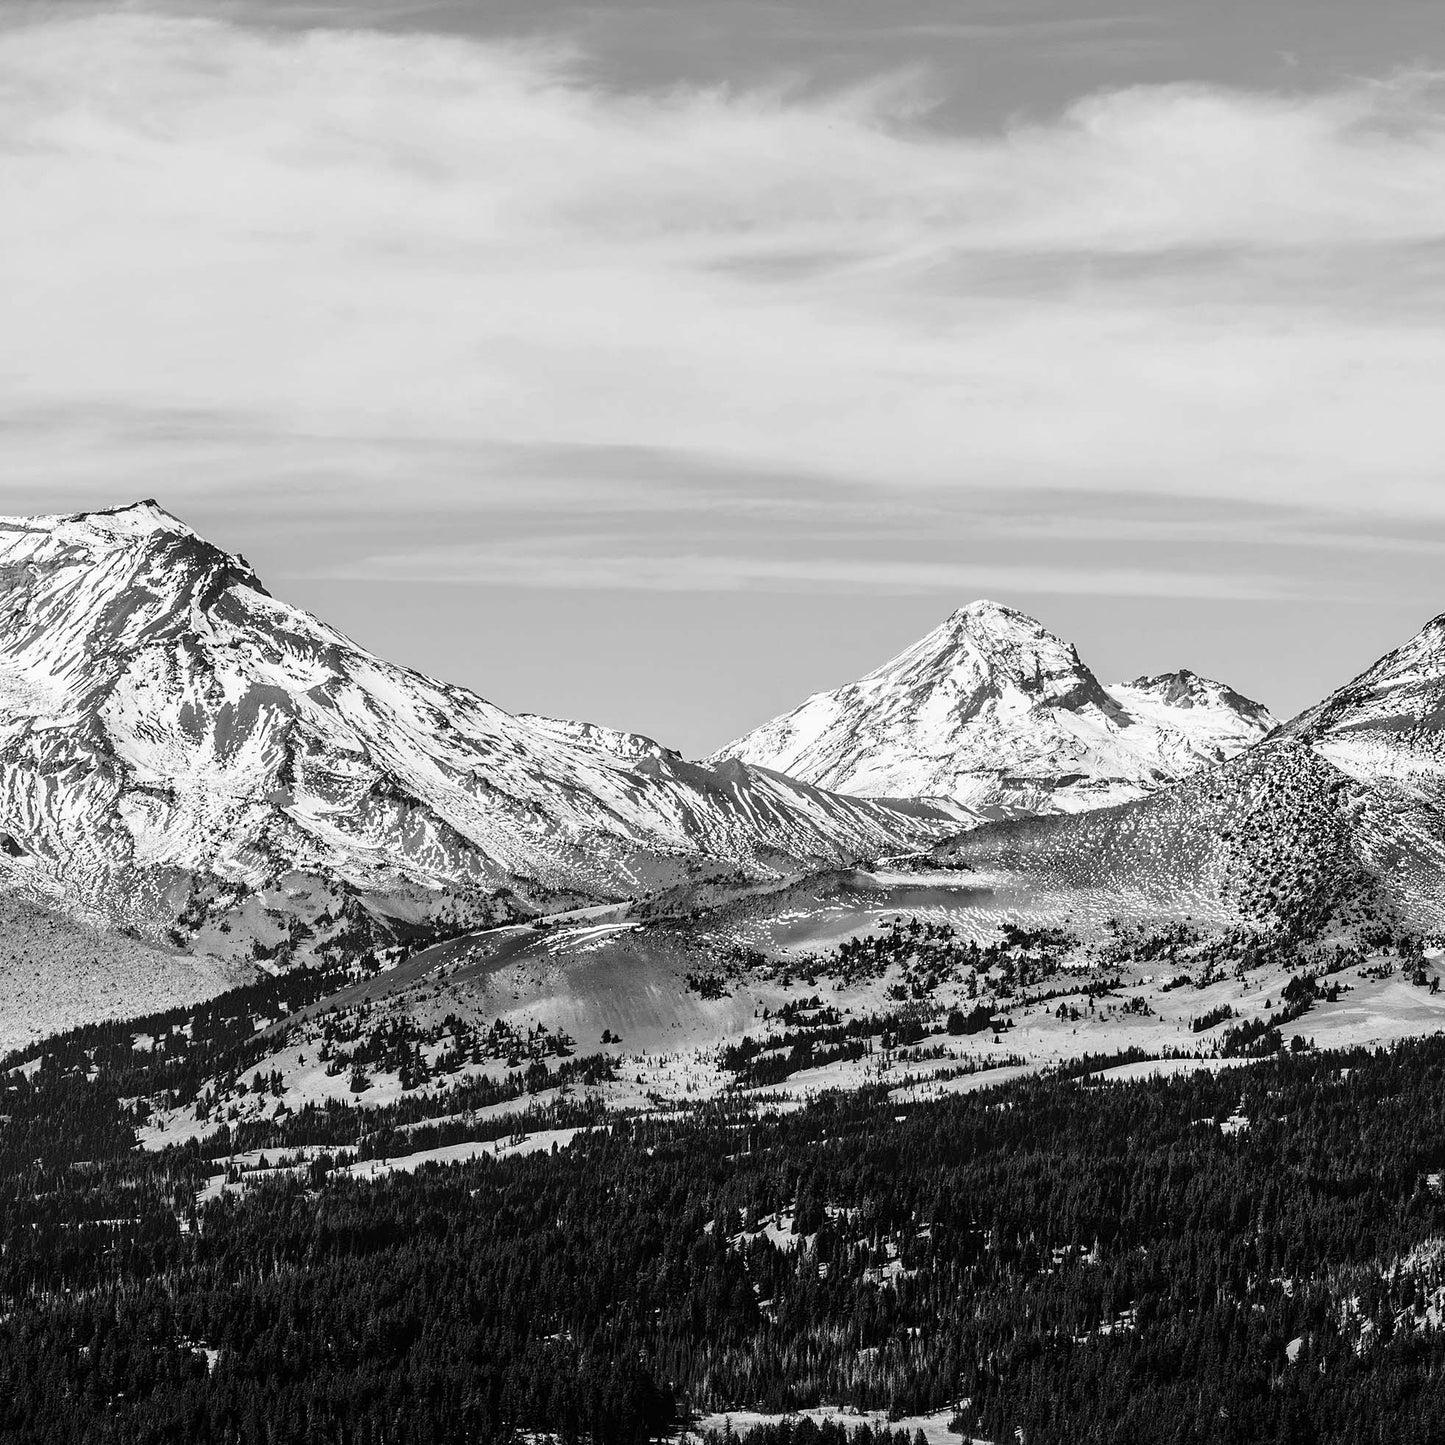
[85, 593]
[994, 711]
[987, 647]
[147, 515]
[985, 611]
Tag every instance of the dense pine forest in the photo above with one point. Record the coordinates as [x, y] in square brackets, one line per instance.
[1257, 1254]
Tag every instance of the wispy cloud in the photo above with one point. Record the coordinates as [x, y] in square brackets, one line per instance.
[374, 263]
[600, 563]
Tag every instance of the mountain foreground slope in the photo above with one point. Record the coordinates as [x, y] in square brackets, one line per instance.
[1280, 835]
[1262, 904]
[1273, 897]
[994, 712]
[185, 755]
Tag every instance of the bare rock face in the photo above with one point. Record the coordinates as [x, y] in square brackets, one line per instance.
[184, 754]
[997, 714]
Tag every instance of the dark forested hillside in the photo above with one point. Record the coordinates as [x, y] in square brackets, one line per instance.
[1253, 1255]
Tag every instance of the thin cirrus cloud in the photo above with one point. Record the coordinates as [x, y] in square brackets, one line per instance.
[456, 248]
[601, 563]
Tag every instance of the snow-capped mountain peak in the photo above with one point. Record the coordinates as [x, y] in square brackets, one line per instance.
[1218, 721]
[171, 735]
[992, 648]
[994, 711]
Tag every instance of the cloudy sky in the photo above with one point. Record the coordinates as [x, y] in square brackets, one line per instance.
[660, 363]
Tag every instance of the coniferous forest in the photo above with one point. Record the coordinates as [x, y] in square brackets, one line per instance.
[1253, 1255]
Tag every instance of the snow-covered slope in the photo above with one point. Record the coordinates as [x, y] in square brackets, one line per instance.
[181, 751]
[1199, 720]
[1278, 835]
[1338, 816]
[995, 712]
[1388, 724]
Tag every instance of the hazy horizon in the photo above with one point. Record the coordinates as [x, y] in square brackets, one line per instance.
[661, 366]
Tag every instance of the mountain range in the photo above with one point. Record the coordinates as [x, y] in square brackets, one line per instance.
[186, 755]
[301, 950]
[204, 780]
